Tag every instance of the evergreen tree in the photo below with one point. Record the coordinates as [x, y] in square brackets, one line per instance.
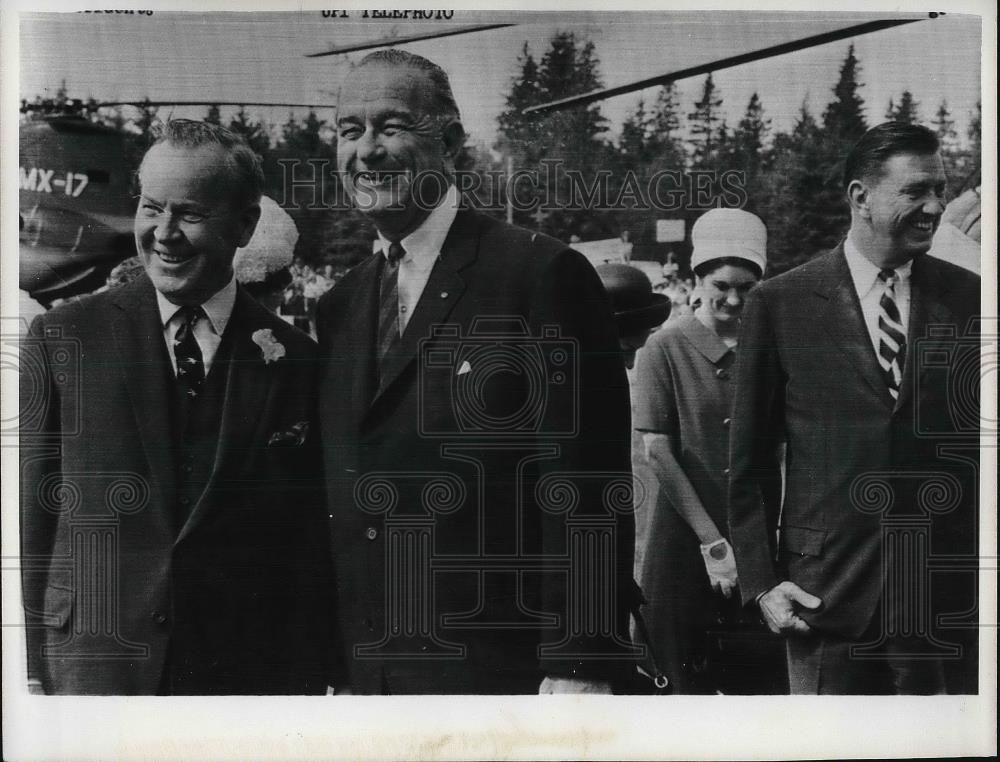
[663, 126]
[518, 135]
[975, 134]
[944, 126]
[905, 111]
[844, 118]
[951, 154]
[571, 138]
[796, 196]
[750, 136]
[254, 132]
[705, 122]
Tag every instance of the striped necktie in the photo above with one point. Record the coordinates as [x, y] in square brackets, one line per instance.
[892, 337]
[187, 353]
[388, 309]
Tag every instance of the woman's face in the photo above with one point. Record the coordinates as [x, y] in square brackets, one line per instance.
[724, 291]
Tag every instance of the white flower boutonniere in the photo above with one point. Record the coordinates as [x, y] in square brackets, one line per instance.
[270, 348]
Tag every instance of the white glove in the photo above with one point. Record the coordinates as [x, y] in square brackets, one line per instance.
[721, 566]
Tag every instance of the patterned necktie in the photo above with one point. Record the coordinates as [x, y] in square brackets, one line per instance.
[388, 309]
[892, 337]
[187, 353]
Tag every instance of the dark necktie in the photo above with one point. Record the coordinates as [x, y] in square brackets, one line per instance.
[388, 309]
[187, 353]
[892, 337]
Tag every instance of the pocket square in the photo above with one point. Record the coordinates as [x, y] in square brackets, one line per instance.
[465, 368]
[290, 437]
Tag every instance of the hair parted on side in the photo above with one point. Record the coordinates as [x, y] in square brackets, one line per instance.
[881, 143]
[243, 165]
[443, 96]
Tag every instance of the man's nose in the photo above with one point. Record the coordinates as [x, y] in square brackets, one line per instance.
[734, 297]
[166, 228]
[934, 205]
[370, 148]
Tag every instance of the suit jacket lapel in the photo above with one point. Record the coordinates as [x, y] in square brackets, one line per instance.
[443, 290]
[145, 364]
[845, 322]
[926, 308]
[248, 383]
[355, 347]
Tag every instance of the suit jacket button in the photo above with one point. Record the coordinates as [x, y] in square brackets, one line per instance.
[187, 468]
[159, 617]
[725, 471]
[368, 623]
[727, 421]
[185, 501]
[722, 373]
[372, 533]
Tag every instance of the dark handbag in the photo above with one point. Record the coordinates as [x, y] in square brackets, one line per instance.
[646, 678]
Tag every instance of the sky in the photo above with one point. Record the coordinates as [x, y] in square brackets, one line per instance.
[261, 57]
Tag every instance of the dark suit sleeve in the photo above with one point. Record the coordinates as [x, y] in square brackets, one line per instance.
[39, 422]
[570, 295]
[757, 432]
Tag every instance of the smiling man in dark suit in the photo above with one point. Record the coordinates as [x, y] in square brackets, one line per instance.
[169, 528]
[475, 420]
[880, 479]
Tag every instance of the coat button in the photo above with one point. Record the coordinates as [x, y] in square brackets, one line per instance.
[722, 373]
[159, 617]
[372, 533]
[725, 471]
[187, 468]
[368, 623]
[727, 421]
[185, 501]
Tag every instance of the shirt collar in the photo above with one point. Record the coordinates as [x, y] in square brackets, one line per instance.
[703, 339]
[218, 307]
[424, 243]
[864, 272]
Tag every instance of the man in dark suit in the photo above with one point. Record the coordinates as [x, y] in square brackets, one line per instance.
[855, 361]
[171, 502]
[475, 423]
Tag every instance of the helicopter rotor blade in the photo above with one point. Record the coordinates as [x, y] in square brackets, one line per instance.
[385, 42]
[139, 104]
[723, 63]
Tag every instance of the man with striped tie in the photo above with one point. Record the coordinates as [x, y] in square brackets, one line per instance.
[837, 548]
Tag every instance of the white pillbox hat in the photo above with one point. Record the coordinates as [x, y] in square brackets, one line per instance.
[722, 233]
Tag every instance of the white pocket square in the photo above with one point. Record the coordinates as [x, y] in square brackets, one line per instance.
[466, 368]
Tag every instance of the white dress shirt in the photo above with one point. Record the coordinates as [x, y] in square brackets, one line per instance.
[208, 333]
[869, 288]
[423, 247]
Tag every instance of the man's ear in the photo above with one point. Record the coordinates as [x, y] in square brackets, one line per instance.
[858, 195]
[453, 137]
[248, 221]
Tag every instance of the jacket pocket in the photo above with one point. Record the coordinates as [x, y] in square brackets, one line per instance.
[58, 606]
[802, 541]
